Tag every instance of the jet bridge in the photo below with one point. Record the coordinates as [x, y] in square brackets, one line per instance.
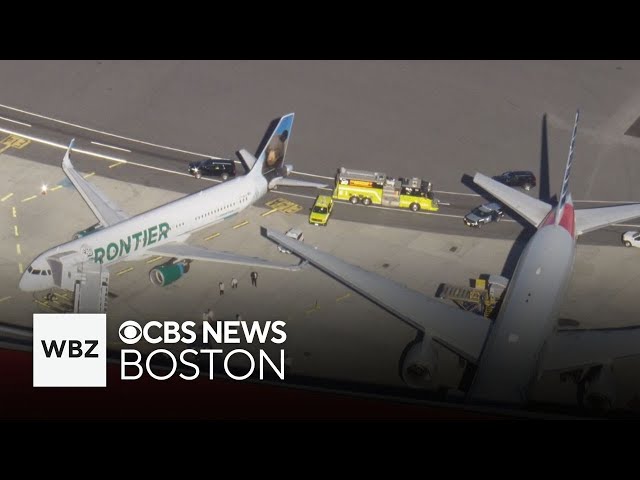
[89, 281]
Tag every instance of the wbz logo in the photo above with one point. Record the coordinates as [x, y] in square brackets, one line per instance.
[69, 350]
[75, 348]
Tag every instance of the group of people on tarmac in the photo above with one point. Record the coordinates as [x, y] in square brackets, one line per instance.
[208, 314]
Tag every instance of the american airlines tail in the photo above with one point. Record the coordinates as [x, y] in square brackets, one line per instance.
[564, 193]
[540, 214]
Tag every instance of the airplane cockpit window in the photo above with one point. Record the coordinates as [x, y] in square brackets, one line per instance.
[35, 271]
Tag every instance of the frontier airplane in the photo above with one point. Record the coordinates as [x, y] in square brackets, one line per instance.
[506, 357]
[81, 264]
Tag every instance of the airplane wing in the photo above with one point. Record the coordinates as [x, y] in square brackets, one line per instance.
[461, 331]
[192, 252]
[107, 212]
[569, 349]
[531, 209]
[588, 219]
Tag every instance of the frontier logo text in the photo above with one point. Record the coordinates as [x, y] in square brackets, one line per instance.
[124, 246]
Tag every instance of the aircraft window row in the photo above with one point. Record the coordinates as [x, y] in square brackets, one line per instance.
[35, 271]
[242, 200]
[226, 207]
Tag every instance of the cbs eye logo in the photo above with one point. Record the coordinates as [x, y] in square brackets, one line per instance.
[130, 332]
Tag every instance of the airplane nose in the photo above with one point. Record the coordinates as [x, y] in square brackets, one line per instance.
[24, 282]
[34, 282]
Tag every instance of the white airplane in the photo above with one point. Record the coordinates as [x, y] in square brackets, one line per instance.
[508, 356]
[81, 265]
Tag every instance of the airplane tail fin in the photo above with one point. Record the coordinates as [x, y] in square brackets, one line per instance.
[270, 161]
[564, 194]
[271, 158]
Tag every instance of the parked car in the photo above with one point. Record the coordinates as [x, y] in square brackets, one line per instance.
[292, 233]
[213, 167]
[631, 239]
[490, 212]
[321, 210]
[524, 179]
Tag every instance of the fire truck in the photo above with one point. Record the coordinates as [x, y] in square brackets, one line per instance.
[360, 186]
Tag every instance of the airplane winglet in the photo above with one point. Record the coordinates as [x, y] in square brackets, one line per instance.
[66, 161]
[104, 209]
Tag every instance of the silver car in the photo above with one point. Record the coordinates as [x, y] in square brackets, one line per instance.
[490, 212]
[292, 233]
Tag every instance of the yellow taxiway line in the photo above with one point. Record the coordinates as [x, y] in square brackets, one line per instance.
[246, 222]
[126, 270]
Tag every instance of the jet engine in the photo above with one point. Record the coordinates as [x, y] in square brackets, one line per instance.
[599, 389]
[163, 275]
[419, 364]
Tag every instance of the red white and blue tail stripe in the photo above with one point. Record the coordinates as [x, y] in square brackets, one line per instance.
[564, 194]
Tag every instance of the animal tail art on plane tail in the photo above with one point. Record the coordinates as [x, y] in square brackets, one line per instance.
[272, 156]
[270, 161]
[539, 213]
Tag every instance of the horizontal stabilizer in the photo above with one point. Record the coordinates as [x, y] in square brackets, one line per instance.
[531, 209]
[248, 160]
[588, 219]
[289, 182]
[570, 349]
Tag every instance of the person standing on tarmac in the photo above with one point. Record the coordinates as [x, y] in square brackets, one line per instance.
[254, 279]
[221, 287]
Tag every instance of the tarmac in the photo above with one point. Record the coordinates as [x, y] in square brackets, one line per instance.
[332, 332]
[433, 119]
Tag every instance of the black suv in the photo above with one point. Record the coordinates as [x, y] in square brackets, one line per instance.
[213, 168]
[527, 180]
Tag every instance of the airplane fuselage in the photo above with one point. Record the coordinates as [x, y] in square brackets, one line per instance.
[174, 221]
[528, 316]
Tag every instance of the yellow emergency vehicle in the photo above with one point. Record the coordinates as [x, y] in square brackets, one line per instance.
[360, 186]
